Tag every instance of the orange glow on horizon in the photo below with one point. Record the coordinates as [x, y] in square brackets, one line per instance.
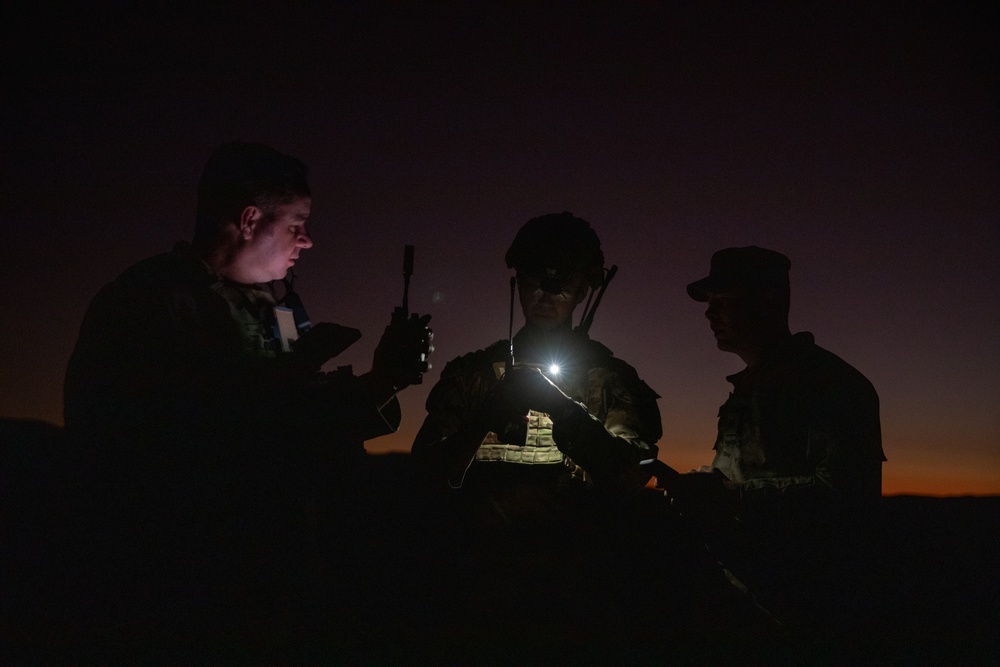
[923, 477]
[898, 478]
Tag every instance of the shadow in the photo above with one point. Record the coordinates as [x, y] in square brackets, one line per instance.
[383, 574]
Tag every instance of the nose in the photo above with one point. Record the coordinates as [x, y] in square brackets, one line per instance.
[545, 297]
[304, 241]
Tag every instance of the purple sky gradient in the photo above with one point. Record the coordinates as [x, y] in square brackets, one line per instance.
[859, 139]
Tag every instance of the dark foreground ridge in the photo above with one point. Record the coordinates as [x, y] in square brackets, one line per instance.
[398, 580]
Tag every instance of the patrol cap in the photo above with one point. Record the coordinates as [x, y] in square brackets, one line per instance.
[553, 247]
[742, 268]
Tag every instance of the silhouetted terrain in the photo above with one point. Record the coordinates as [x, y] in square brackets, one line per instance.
[939, 590]
[944, 556]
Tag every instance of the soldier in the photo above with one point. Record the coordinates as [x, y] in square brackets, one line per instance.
[798, 457]
[187, 342]
[568, 414]
[532, 465]
[214, 457]
[801, 424]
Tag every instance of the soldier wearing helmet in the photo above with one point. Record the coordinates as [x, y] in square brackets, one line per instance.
[551, 409]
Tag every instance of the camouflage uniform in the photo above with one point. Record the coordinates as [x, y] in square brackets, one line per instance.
[218, 477]
[169, 352]
[531, 539]
[609, 388]
[800, 434]
[802, 422]
[537, 545]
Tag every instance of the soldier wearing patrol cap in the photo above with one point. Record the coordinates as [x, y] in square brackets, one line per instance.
[798, 456]
[800, 420]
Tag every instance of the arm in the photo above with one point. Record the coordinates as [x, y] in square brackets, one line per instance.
[823, 448]
[452, 432]
[363, 407]
[843, 451]
[611, 432]
[609, 453]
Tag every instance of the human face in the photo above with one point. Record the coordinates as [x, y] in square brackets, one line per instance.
[545, 310]
[276, 240]
[729, 316]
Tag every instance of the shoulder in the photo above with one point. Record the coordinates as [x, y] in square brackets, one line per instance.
[179, 268]
[134, 284]
[597, 355]
[599, 352]
[478, 361]
[163, 286]
[465, 379]
[615, 371]
[826, 368]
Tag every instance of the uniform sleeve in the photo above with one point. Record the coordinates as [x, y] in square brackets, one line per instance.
[337, 408]
[631, 410]
[843, 446]
[615, 428]
[448, 437]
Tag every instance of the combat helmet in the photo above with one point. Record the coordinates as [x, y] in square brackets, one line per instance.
[554, 247]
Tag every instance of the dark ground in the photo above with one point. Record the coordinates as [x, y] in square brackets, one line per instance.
[937, 597]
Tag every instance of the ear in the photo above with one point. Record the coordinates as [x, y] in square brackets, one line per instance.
[249, 222]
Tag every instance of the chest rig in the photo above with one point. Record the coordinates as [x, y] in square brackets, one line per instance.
[538, 447]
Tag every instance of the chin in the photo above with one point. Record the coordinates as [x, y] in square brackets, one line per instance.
[544, 324]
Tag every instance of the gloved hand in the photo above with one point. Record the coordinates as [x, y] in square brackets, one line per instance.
[505, 413]
[322, 342]
[536, 392]
[401, 357]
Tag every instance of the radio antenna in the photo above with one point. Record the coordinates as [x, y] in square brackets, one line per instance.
[407, 272]
[588, 315]
[510, 324]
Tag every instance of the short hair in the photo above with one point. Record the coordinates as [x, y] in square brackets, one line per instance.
[241, 174]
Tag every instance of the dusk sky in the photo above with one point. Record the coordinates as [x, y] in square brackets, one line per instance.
[860, 139]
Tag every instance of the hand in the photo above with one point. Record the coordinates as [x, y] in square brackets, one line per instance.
[322, 342]
[401, 356]
[535, 391]
[521, 389]
[504, 412]
[706, 493]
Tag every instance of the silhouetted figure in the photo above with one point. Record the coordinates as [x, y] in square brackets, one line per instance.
[528, 457]
[568, 410]
[798, 455]
[220, 472]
